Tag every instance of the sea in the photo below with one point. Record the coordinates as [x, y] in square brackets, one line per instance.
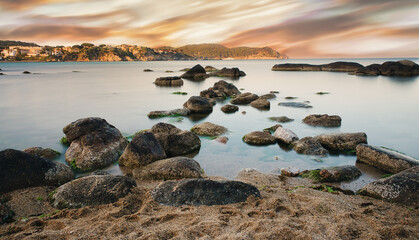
[35, 107]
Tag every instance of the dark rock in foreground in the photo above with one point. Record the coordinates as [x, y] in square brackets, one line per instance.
[22, 170]
[259, 138]
[46, 153]
[401, 188]
[244, 98]
[169, 81]
[208, 129]
[323, 120]
[295, 104]
[92, 190]
[341, 141]
[228, 72]
[198, 105]
[310, 146]
[174, 112]
[169, 169]
[339, 174]
[196, 71]
[384, 159]
[229, 108]
[203, 192]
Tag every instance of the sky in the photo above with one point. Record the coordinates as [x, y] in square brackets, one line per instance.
[297, 28]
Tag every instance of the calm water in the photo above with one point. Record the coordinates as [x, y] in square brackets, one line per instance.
[34, 108]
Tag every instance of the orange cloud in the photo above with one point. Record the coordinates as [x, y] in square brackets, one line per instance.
[18, 5]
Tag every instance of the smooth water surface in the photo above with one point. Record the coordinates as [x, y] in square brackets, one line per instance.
[35, 107]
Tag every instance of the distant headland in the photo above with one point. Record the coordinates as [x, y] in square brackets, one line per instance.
[86, 52]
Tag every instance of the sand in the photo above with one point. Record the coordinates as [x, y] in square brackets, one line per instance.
[289, 209]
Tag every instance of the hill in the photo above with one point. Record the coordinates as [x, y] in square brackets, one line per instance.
[8, 43]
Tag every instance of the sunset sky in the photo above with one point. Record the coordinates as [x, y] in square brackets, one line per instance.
[298, 28]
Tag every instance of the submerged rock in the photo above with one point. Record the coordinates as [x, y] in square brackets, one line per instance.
[285, 135]
[94, 143]
[169, 81]
[229, 108]
[198, 105]
[26, 72]
[384, 159]
[261, 104]
[341, 141]
[202, 192]
[309, 146]
[259, 138]
[142, 150]
[195, 72]
[228, 72]
[295, 104]
[174, 112]
[169, 169]
[92, 190]
[22, 170]
[46, 153]
[209, 129]
[401, 188]
[244, 98]
[147, 70]
[323, 120]
[281, 119]
[222, 139]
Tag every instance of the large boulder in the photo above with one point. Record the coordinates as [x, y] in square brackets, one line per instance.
[401, 188]
[384, 159]
[229, 108]
[370, 70]
[196, 71]
[94, 143]
[341, 67]
[296, 67]
[261, 104]
[208, 129]
[244, 98]
[220, 89]
[228, 72]
[174, 141]
[22, 170]
[295, 104]
[92, 190]
[285, 135]
[309, 146]
[403, 68]
[341, 141]
[46, 153]
[169, 81]
[174, 112]
[142, 150]
[202, 192]
[198, 105]
[259, 138]
[323, 120]
[169, 169]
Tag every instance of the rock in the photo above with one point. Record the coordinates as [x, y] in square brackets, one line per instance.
[168, 71]
[142, 150]
[222, 139]
[6, 214]
[259, 138]
[341, 141]
[268, 96]
[296, 67]
[272, 129]
[22, 170]
[94, 143]
[1, 73]
[341, 67]
[339, 174]
[99, 172]
[370, 70]
[401, 188]
[290, 172]
[202, 192]
[323, 120]
[285, 135]
[228, 72]
[290, 98]
[209, 129]
[46, 153]
[384, 159]
[244, 98]
[195, 72]
[174, 141]
[26, 72]
[220, 89]
[281, 119]
[210, 69]
[92, 190]
[147, 70]
[169, 81]
[229, 108]
[274, 91]
[174, 112]
[295, 104]
[184, 69]
[403, 68]
[198, 105]
[169, 169]
[309, 146]
[261, 104]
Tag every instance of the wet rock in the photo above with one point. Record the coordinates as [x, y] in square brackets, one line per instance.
[94, 143]
[285, 135]
[339, 174]
[403, 68]
[290, 172]
[142, 150]
[6, 214]
[169, 169]
[323, 120]
[22, 170]
[295, 104]
[147, 70]
[290, 98]
[26, 72]
[341, 67]
[384, 159]
[259, 138]
[202, 192]
[46, 153]
[309, 146]
[99, 172]
[244, 98]
[272, 129]
[228, 72]
[92, 190]
[401, 188]
[268, 96]
[169, 81]
[174, 141]
[210, 69]
[222, 139]
[220, 89]
[174, 112]
[296, 67]
[370, 70]
[209, 129]
[198, 105]
[281, 119]
[195, 72]
[229, 108]
[261, 104]
[341, 141]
